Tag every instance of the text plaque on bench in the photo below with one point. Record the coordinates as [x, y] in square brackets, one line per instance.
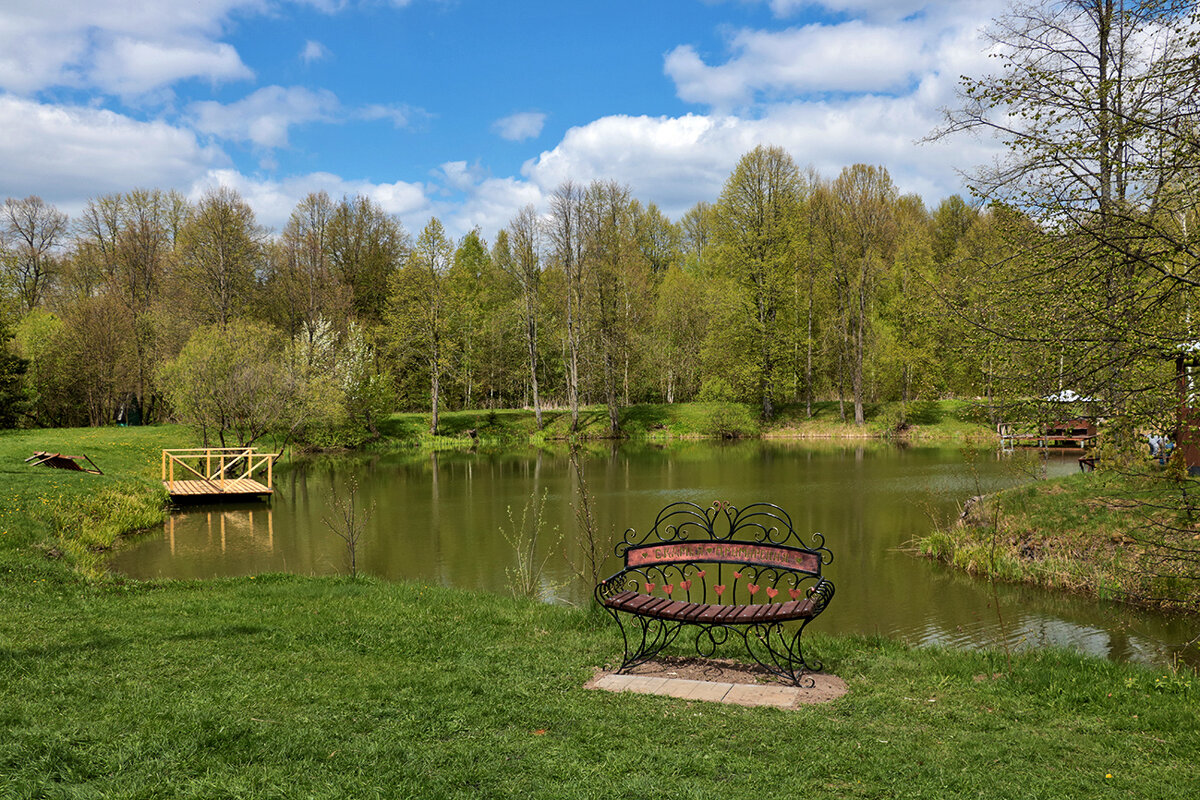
[727, 552]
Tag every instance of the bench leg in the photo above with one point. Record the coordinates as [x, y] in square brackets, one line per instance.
[777, 650]
[645, 637]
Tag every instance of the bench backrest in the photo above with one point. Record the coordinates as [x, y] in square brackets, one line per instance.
[720, 554]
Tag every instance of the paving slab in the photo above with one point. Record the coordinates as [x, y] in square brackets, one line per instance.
[745, 694]
[737, 693]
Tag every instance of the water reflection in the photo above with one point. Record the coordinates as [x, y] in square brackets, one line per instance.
[437, 518]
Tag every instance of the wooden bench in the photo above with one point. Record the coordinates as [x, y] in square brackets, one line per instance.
[722, 571]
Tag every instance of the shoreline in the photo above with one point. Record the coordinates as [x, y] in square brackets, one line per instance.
[1106, 536]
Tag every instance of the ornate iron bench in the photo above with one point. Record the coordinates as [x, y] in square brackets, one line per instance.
[719, 570]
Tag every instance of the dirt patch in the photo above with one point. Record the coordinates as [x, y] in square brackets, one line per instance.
[826, 687]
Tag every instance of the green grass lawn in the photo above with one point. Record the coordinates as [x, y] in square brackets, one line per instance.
[281, 686]
[285, 686]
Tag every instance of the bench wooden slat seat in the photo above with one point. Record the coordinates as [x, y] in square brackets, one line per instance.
[707, 612]
[710, 566]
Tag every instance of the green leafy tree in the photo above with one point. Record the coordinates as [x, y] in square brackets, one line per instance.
[13, 397]
[419, 319]
[523, 262]
[1095, 103]
[230, 382]
[754, 235]
[367, 391]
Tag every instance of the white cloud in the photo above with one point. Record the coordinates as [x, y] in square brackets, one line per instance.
[132, 66]
[490, 205]
[401, 116]
[314, 51]
[67, 154]
[674, 161]
[264, 116]
[520, 126]
[677, 161]
[814, 58]
[120, 46]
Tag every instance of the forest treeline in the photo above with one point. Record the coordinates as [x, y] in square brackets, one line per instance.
[787, 288]
[1076, 270]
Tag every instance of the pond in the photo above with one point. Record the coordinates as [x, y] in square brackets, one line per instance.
[439, 517]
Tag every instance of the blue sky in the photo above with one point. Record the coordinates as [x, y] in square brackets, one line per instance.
[470, 109]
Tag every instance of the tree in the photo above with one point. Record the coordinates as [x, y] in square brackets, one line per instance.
[657, 237]
[13, 398]
[418, 314]
[754, 234]
[611, 265]
[525, 267]
[1095, 102]
[304, 288]
[229, 382]
[366, 247]
[32, 233]
[473, 296]
[678, 329]
[220, 253]
[367, 391]
[124, 243]
[566, 232]
[696, 235]
[864, 200]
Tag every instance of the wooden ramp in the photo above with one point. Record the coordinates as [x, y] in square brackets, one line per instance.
[217, 473]
[60, 461]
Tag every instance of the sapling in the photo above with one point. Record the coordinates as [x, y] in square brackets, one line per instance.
[348, 521]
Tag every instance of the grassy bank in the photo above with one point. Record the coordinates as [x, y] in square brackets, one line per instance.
[933, 420]
[282, 686]
[1108, 535]
[74, 515]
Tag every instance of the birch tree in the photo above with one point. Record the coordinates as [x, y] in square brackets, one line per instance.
[525, 240]
[418, 312]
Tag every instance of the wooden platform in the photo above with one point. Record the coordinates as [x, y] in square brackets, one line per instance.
[233, 489]
[217, 473]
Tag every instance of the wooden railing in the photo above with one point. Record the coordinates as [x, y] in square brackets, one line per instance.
[217, 466]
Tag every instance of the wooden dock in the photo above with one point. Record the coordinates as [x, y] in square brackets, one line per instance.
[217, 473]
[1077, 433]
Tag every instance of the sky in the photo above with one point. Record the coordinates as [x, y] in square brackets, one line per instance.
[469, 110]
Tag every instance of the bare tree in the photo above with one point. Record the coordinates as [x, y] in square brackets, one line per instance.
[348, 522]
[33, 232]
[220, 250]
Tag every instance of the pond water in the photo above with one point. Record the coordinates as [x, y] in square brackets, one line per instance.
[439, 517]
